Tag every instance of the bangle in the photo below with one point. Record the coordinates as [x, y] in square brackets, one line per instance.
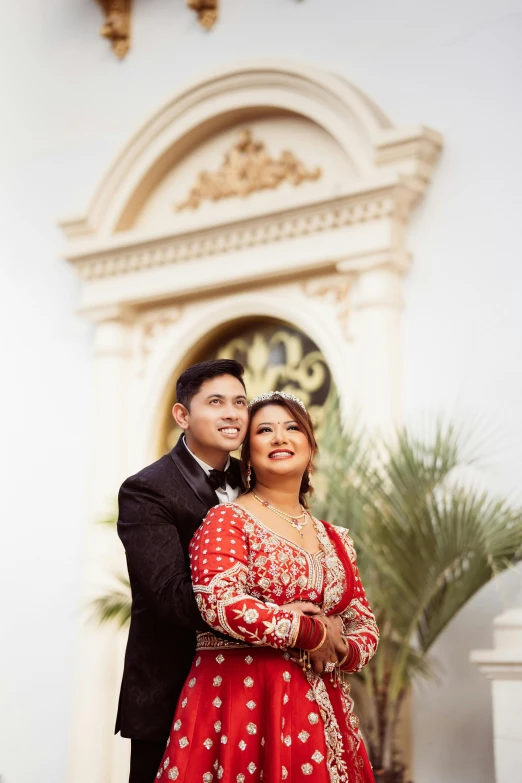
[348, 654]
[309, 633]
[317, 647]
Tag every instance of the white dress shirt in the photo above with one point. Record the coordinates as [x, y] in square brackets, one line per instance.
[226, 495]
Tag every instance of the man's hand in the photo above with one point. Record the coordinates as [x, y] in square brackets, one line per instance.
[330, 652]
[334, 626]
[334, 622]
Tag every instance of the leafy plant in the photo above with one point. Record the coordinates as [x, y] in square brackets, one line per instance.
[427, 538]
[115, 605]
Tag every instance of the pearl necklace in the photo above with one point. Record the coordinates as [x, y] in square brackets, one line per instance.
[294, 521]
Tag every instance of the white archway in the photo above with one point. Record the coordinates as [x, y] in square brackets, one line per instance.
[187, 334]
[327, 258]
[347, 114]
[394, 168]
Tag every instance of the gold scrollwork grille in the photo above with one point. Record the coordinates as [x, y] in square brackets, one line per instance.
[281, 357]
[275, 356]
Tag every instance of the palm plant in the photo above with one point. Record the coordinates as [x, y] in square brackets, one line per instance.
[427, 541]
[115, 605]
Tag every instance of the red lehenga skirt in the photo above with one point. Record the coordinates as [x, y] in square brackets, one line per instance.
[251, 714]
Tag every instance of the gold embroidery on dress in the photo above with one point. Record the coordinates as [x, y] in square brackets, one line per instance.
[229, 589]
[335, 763]
[206, 640]
[278, 571]
[335, 582]
[274, 568]
[358, 619]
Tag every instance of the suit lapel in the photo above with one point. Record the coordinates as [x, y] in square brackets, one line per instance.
[193, 474]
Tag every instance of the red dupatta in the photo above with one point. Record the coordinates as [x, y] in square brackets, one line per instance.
[342, 554]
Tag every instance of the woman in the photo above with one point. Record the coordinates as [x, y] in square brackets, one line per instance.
[267, 703]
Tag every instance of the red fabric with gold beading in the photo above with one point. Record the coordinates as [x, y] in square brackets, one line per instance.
[248, 712]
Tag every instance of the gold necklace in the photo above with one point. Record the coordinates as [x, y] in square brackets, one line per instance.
[294, 521]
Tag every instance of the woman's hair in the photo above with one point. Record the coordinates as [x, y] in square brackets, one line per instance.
[304, 421]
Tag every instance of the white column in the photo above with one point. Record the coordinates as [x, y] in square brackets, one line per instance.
[376, 329]
[503, 666]
[96, 755]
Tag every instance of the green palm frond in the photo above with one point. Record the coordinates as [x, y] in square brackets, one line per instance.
[110, 518]
[114, 606]
[427, 540]
[479, 537]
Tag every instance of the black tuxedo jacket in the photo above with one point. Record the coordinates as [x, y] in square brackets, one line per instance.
[159, 510]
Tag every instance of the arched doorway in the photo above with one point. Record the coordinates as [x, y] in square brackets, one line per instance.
[275, 355]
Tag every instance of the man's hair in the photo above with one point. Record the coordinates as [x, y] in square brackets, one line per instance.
[190, 382]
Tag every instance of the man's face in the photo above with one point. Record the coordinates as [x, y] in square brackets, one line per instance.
[218, 417]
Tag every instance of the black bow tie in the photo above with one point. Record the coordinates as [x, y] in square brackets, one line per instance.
[220, 478]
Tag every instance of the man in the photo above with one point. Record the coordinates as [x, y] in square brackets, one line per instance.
[159, 510]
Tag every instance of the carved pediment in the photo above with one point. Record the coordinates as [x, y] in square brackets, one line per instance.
[246, 168]
[207, 11]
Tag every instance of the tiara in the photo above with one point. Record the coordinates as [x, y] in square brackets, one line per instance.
[270, 395]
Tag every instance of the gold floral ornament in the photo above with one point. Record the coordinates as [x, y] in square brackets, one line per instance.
[275, 356]
[247, 168]
[207, 11]
[299, 371]
[117, 25]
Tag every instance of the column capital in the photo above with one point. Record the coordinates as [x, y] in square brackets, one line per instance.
[110, 313]
[379, 288]
[392, 260]
[113, 327]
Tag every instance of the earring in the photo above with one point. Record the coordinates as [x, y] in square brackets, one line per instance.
[310, 482]
[249, 475]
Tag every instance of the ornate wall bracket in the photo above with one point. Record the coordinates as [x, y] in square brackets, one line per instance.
[334, 292]
[152, 326]
[116, 27]
[118, 13]
[207, 11]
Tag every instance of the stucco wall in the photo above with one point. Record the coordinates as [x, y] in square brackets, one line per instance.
[68, 107]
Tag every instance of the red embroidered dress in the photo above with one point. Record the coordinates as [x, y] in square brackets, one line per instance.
[248, 712]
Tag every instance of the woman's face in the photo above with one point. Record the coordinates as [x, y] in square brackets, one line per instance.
[278, 446]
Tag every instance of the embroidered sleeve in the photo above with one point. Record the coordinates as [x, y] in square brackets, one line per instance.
[219, 563]
[360, 628]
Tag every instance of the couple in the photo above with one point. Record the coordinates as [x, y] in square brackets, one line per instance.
[245, 607]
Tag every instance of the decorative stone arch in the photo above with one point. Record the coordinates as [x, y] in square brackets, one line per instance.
[328, 256]
[350, 117]
[185, 335]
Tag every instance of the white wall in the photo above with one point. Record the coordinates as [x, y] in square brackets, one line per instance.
[67, 108]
